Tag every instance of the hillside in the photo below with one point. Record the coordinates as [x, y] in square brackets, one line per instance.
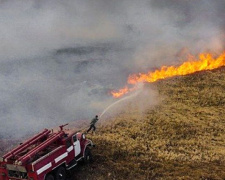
[182, 137]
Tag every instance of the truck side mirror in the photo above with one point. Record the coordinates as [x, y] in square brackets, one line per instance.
[74, 138]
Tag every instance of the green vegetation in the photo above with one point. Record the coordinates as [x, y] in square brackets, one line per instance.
[182, 137]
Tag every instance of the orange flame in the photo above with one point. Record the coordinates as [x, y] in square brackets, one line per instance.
[121, 92]
[204, 62]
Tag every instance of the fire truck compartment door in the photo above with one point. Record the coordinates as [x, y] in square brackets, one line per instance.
[15, 168]
[77, 148]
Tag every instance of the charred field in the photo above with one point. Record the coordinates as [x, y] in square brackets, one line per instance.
[182, 137]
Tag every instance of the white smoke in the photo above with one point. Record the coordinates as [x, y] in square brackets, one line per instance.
[59, 59]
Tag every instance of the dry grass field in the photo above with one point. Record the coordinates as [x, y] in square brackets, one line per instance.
[182, 137]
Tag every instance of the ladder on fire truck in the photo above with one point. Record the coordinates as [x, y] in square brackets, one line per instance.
[30, 148]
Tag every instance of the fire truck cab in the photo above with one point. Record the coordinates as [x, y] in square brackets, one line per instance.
[46, 156]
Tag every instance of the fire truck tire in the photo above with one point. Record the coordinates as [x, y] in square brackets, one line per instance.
[87, 156]
[49, 177]
[60, 173]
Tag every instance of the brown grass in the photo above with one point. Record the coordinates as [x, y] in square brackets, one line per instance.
[183, 137]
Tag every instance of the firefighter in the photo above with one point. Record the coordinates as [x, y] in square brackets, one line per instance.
[92, 124]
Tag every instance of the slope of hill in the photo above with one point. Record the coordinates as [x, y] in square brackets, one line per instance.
[183, 137]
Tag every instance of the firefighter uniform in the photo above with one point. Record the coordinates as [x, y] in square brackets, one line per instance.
[92, 124]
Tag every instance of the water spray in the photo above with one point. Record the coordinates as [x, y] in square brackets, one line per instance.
[120, 100]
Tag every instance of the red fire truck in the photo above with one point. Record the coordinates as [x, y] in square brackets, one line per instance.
[46, 156]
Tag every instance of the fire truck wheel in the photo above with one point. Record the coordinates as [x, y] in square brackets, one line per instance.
[87, 156]
[60, 173]
[49, 177]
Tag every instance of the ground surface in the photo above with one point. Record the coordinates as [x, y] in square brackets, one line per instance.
[182, 137]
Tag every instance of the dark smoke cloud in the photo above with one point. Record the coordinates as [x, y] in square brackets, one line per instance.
[59, 59]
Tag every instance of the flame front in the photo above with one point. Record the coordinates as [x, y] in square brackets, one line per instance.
[121, 92]
[204, 62]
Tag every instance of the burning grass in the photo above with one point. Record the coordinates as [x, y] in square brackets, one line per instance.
[205, 61]
[183, 137]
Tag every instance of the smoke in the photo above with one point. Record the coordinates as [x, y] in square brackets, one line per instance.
[60, 59]
[137, 102]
